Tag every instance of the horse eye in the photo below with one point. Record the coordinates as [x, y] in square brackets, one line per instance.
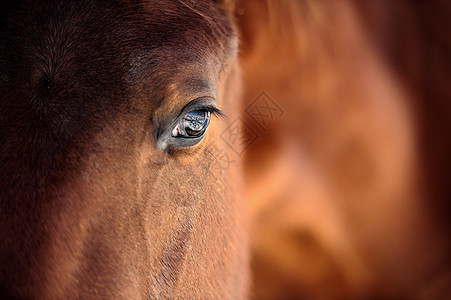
[192, 125]
[189, 127]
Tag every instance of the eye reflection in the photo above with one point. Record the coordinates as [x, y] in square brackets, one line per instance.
[193, 124]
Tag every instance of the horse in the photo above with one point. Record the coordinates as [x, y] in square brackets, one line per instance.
[207, 149]
[347, 186]
[109, 115]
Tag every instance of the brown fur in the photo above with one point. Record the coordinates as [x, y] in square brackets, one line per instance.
[347, 191]
[89, 207]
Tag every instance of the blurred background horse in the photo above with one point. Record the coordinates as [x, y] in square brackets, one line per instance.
[347, 182]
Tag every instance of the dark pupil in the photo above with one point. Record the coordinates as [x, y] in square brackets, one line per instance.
[196, 122]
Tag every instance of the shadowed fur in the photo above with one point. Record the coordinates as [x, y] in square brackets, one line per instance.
[89, 207]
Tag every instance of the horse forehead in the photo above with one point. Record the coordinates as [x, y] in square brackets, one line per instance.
[143, 35]
[182, 41]
[121, 48]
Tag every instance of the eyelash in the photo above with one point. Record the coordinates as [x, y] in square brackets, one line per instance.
[214, 111]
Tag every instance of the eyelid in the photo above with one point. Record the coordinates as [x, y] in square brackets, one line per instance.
[202, 103]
